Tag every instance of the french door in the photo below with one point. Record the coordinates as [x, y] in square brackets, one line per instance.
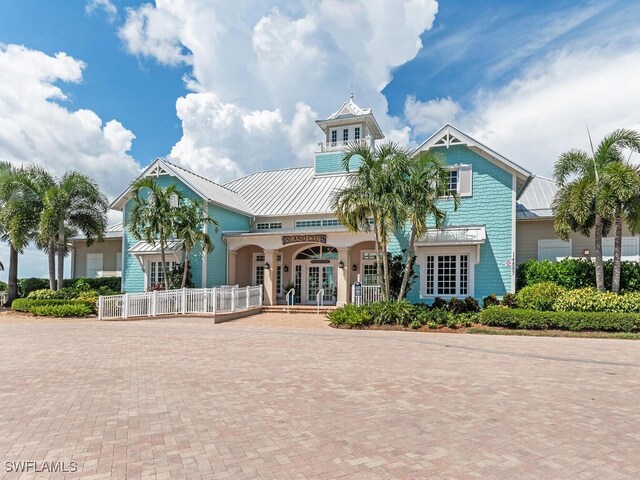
[319, 277]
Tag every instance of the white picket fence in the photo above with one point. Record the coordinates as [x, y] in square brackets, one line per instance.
[370, 294]
[217, 300]
[3, 298]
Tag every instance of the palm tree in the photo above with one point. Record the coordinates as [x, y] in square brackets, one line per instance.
[74, 202]
[580, 203]
[191, 224]
[427, 182]
[152, 216]
[18, 219]
[372, 199]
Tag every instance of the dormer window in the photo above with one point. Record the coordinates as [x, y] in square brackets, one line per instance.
[334, 137]
[356, 133]
[345, 134]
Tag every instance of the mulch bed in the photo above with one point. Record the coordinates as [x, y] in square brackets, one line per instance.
[398, 328]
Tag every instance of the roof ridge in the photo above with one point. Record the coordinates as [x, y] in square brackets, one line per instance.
[266, 171]
[202, 177]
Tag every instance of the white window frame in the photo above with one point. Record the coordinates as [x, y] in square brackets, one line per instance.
[555, 243]
[469, 251]
[609, 243]
[268, 225]
[367, 262]
[147, 274]
[257, 262]
[334, 137]
[345, 134]
[356, 133]
[101, 269]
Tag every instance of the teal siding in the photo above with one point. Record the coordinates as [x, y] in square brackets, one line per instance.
[216, 260]
[491, 205]
[331, 162]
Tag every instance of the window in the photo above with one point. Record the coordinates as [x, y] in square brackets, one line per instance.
[452, 187]
[553, 250]
[356, 133]
[268, 225]
[94, 264]
[334, 137]
[318, 253]
[345, 134]
[369, 268]
[258, 271]
[629, 248]
[327, 222]
[447, 275]
[156, 274]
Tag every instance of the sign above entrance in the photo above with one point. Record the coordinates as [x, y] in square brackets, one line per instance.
[286, 239]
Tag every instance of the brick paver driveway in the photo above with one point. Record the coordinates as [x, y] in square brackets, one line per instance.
[183, 398]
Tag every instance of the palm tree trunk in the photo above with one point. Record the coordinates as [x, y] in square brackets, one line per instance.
[385, 263]
[12, 280]
[617, 254]
[185, 271]
[599, 264]
[164, 265]
[407, 267]
[61, 240]
[376, 240]
[52, 264]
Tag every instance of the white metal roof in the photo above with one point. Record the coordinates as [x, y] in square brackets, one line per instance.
[207, 189]
[145, 248]
[536, 198]
[454, 236]
[292, 191]
[112, 231]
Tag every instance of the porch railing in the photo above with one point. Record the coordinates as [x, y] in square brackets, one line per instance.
[370, 294]
[320, 299]
[225, 299]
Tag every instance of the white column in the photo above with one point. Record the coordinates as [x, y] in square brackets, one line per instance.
[344, 256]
[231, 266]
[271, 258]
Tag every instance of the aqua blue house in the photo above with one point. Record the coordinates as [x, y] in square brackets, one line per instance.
[277, 227]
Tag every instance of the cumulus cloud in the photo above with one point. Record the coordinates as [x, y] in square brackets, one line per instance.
[260, 74]
[425, 117]
[545, 111]
[38, 126]
[105, 5]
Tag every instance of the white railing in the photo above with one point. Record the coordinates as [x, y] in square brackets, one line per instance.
[3, 298]
[288, 298]
[370, 294]
[225, 299]
[342, 144]
[320, 299]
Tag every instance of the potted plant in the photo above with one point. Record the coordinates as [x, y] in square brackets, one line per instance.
[287, 289]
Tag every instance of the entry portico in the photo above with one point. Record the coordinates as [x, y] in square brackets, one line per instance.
[327, 260]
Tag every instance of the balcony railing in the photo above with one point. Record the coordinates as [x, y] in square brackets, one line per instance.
[344, 144]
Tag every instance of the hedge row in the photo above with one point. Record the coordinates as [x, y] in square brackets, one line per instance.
[53, 306]
[28, 285]
[574, 273]
[576, 321]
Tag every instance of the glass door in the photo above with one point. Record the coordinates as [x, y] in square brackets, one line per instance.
[313, 283]
[329, 285]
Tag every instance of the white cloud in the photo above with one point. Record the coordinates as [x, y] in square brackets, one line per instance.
[106, 5]
[536, 117]
[425, 117]
[37, 125]
[259, 72]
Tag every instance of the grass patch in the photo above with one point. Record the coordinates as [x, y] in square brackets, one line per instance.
[552, 333]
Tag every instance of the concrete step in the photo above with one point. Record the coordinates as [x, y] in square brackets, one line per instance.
[297, 309]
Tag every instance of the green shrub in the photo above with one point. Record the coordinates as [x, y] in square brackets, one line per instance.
[576, 321]
[510, 300]
[591, 300]
[62, 310]
[457, 306]
[46, 294]
[439, 302]
[432, 325]
[415, 324]
[109, 283]
[28, 285]
[452, 323]
[472, 305]
[350, 315]
[27, 304]
[539, 296]
[392, 313]
[490, 300]
[3, 286]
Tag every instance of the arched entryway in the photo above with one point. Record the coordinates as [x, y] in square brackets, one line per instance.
[315, 268]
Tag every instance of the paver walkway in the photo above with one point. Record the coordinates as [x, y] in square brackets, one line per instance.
[183, 398]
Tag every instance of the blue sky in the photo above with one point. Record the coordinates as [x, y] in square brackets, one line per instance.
[225, 88]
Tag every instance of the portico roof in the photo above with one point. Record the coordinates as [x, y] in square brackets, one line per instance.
[145, 248]
[474, 235]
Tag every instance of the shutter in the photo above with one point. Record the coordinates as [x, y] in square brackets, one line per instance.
[94, 264]
[465, 188]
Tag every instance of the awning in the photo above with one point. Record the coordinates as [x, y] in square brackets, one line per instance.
[140, 249]
[454, 236]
